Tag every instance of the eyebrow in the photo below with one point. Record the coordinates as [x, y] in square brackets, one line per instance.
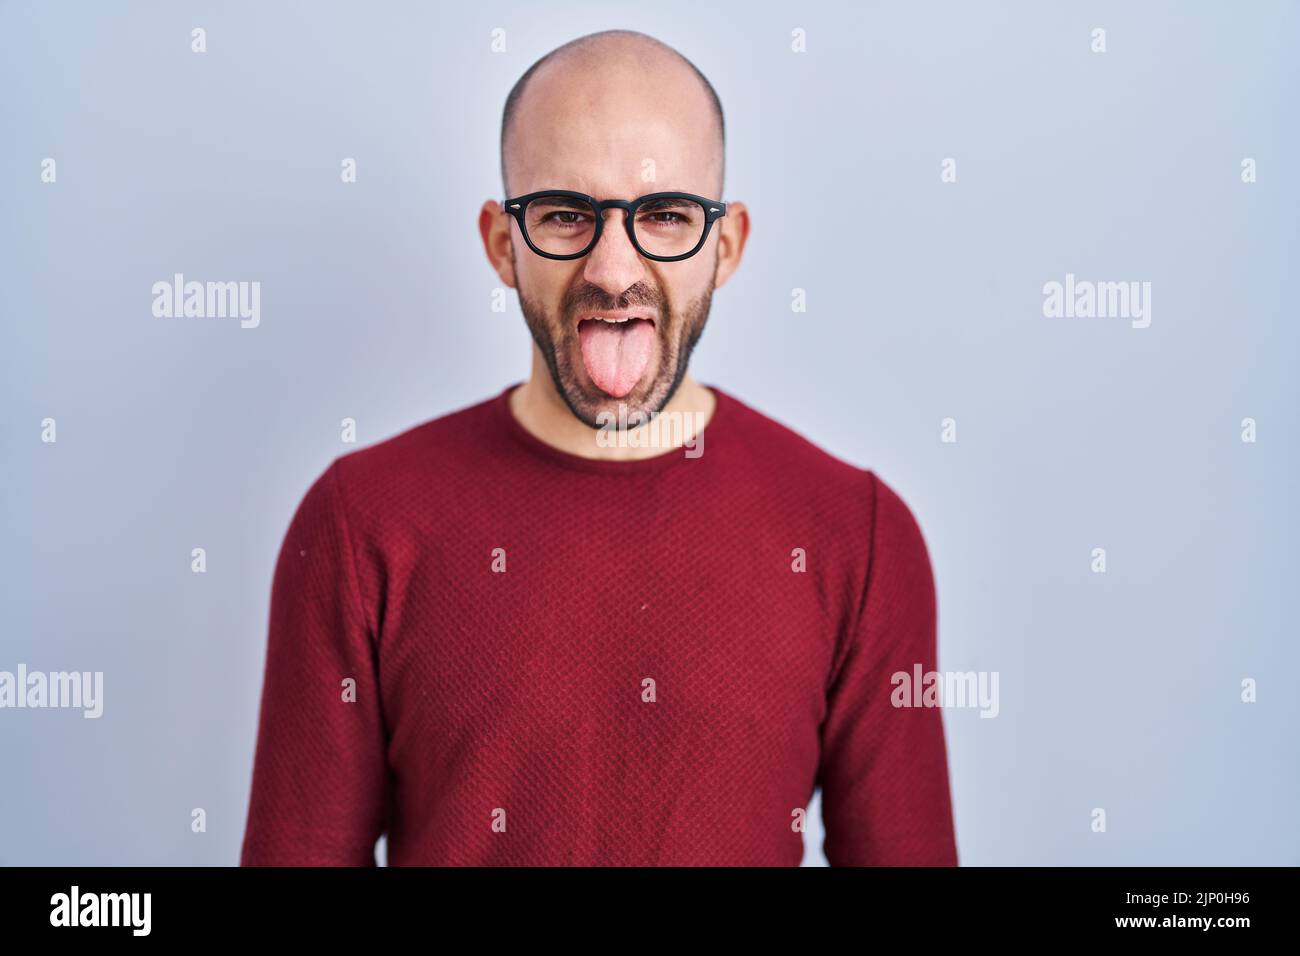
[669, 201]
[563, 201]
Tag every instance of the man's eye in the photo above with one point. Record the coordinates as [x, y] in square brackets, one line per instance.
[664, 217]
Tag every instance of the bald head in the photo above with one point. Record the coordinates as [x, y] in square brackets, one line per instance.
[602, 89]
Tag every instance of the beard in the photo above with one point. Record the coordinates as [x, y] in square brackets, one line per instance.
[676, 335]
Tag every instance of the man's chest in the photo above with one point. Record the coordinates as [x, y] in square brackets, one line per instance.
[545, 647]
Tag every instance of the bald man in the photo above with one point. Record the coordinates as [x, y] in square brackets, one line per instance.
[558, 627]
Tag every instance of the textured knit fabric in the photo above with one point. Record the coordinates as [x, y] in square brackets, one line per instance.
[638, 676]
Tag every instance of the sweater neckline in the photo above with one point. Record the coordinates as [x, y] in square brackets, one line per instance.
[501, 405]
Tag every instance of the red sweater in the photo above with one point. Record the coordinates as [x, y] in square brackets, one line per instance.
[648, 681]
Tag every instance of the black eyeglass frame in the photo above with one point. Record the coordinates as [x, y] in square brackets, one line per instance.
[713, 210]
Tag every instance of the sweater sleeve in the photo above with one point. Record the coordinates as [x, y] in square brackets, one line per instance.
[884, 772]
[319, 770]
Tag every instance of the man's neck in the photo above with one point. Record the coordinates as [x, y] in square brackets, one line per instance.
[538, 407]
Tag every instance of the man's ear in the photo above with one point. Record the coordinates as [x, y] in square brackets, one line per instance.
[494, 224]
[733, 231]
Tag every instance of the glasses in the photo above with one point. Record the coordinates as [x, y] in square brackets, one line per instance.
[666, 227]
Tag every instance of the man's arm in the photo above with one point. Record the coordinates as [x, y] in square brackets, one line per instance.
[319, 774]
[884, 769]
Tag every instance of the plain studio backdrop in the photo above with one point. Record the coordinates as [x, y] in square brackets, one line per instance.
[924, 302]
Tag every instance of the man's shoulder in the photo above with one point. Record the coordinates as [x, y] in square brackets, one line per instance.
[773, 446]
[428, 457]
[826, 479]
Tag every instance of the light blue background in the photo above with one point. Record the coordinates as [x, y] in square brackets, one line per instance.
[1118, 691]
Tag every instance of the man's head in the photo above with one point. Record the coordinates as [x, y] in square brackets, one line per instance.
[614, 115]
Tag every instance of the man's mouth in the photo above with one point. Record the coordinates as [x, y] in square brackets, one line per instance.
[617, 348]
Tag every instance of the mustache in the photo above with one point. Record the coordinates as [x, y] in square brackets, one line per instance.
[589, 297]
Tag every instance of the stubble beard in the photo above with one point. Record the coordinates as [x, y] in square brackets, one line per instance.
[557, 339]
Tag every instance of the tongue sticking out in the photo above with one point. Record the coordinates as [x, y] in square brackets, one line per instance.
[616, 354]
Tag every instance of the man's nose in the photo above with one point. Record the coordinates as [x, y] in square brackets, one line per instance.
[614, 264]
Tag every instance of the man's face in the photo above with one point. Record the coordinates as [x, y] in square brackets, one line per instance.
[615, 136]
